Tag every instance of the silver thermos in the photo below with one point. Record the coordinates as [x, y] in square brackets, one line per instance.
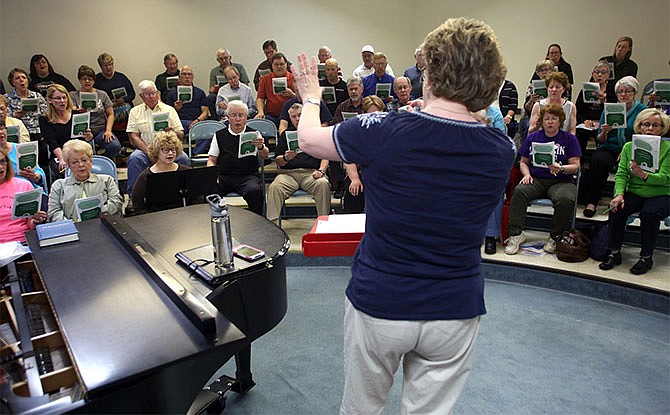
[221, 236]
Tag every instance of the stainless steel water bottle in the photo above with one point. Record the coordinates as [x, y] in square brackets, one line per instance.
[221, 236]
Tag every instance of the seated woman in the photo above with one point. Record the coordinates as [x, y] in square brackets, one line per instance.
[78, 156]
[610, 141]
[35, 176]
[354, 199]
[542, 69]
[19, 79]
[163, 151]
[637, 190]
[589, 113]
[102, 116]
[24, 135]
[13, 230]
[554, 181]
[557, 83]
[623, 65]
[42, 75]
[56, 127]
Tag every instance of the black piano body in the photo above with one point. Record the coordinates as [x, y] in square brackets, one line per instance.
[144, 334]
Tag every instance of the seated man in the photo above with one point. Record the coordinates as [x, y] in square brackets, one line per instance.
[190, 112]
[366, 68]
[265, 67]
[379, 76]
[333, 80]
[224, 58]
[355, 101]
[238, 173]
[141, 130]
[268, 102]
[171, 69]
[415, 73]
[401, 87]
[234, 87]
[297, 170]
[284, 117]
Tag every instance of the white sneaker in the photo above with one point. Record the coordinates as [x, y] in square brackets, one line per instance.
[513, 242]
[550, 246]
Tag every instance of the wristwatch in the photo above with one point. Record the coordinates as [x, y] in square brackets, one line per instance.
[313, 101]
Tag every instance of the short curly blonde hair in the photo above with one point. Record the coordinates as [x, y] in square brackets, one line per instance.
[164, 139]
[645, 114]
[371, 100]
[463, 62]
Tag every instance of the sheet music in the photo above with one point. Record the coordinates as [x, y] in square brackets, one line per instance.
[354, 223]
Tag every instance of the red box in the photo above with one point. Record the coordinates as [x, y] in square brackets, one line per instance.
[329, 244]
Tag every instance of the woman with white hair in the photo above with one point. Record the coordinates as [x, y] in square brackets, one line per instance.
[78, 156]
[610, 141]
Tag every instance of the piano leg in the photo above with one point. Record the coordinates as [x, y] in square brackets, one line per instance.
[243, 371]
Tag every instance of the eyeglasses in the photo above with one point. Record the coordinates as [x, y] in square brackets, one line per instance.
[168, 150]
[652, 125]
[149, 94]
[601, 72]
[79, 162]
[624, 92]
[3, 162]
[187, 73]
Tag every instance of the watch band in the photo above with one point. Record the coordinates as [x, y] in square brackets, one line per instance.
[313, 101]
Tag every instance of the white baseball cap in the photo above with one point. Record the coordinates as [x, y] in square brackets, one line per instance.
[368, 48]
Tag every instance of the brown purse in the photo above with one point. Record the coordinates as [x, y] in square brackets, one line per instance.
[573, 246]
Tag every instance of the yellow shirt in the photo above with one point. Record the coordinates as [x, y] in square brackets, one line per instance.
[24, 135]
[140, 120]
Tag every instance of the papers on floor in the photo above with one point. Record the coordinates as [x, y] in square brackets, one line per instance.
[383, 90]
[246, 147]
[354, 223]
[533, 249]
[292, 141]
[88, 100]
[89, 207]
[543, 154]
[539, 87]
[27, 154]
[161, 120]
[615, 115]
[26, 204]
[279, 85]
[590, 91]
[80, 123]
[646, 150]
[185, 93]
[13, 133]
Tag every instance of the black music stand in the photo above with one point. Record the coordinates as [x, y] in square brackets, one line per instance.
[178, 188]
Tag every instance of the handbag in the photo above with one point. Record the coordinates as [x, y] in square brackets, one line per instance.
[572, 246]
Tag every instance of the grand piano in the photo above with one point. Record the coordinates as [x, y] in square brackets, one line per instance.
[142, 333]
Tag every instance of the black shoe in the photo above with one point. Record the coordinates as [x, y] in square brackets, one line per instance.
[611, 261]
[589, 213]
[490, 245]
[642, 266]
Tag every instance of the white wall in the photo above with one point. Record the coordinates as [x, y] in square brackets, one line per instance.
[138, 33]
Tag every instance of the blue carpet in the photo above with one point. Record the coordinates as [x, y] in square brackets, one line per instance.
[539, 352]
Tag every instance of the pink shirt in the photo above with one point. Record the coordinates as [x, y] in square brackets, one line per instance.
[13, 230]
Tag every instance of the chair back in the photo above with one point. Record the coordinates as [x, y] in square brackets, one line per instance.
[101, 165]
[201, 131]
[266, 127]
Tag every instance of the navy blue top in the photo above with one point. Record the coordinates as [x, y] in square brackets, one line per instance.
[189, 110]
[370, 84]
[431, 184]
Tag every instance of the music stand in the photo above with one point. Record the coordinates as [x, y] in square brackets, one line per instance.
[177, 188]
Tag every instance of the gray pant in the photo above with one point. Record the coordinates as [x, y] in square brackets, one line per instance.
[563, 195]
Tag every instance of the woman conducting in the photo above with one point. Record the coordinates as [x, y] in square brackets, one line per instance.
[637, 190]
[416, 291]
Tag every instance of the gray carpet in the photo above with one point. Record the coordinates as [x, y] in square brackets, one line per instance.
[539, 352]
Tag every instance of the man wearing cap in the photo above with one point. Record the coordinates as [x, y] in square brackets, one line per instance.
[366, 68]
